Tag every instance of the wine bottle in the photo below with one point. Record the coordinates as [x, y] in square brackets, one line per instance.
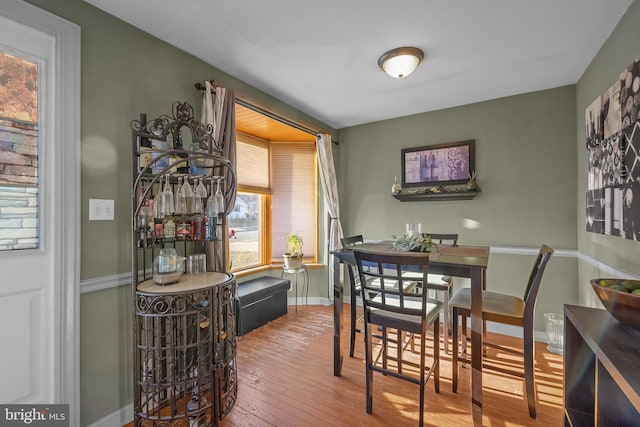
[195, 414]
[145, 154]
[143, 225]
[198, 227]
[183, 227]
[212, 227]
[169, 227]
[211, 214]
[178, 145]
[151, 231]
[159, 229]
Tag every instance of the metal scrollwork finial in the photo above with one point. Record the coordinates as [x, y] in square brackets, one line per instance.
[182, 115]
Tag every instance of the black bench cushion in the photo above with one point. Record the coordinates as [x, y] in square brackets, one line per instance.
[258, 288]
[260, 301]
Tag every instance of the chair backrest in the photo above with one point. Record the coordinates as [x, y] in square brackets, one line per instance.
[384, 287]
[531, 293]
[350, 242]
[451, 238]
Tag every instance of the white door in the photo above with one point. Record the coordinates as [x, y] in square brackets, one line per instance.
[38, 279]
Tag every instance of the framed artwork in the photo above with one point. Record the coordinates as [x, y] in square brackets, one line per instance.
[613, 139]
[442, 164]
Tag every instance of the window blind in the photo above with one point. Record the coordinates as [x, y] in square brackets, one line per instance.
[252, 165]
[293, 196]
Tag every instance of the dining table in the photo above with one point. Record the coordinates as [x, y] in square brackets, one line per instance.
[458, 261]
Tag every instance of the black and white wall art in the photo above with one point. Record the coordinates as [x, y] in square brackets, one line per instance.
[612, 125]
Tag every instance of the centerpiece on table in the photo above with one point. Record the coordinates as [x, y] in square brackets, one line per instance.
[414, 243]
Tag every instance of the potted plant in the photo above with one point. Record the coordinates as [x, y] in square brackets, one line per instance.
[293, 255]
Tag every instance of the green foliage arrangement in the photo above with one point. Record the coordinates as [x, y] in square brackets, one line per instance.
[414, 243]
[293, 243]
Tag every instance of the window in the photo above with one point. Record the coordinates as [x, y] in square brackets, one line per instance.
[244, 232]
[19, 216]
[277, 194]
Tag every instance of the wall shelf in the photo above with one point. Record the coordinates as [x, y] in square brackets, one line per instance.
[433, 197]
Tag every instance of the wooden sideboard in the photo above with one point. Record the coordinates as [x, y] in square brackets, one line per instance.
[601, 370]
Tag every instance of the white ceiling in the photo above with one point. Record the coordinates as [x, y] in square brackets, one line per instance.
[321, 57]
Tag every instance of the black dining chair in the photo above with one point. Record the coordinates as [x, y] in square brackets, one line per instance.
[441, 283]
[392, 302]
[506, 309]
[354, 290]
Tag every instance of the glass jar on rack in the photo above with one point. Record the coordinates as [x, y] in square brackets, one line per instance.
[201, 165]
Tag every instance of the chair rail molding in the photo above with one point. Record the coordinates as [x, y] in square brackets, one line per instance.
[606, 268]
[105, 282]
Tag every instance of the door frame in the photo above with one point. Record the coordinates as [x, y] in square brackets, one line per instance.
[63, 77]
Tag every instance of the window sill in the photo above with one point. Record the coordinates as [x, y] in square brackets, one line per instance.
[262, 268]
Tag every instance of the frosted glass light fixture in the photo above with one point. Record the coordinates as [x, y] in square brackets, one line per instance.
[401, 61]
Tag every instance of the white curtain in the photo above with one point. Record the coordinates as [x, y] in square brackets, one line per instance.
[330, 188]
[219, 110]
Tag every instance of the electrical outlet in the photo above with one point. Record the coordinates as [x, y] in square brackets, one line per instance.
[101, 209]
[432, 294]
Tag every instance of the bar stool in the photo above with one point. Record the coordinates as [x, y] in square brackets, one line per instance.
[305, 281]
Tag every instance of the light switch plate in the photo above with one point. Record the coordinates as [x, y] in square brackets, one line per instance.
[101, 209]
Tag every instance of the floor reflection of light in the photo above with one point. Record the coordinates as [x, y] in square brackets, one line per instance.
[399, 402]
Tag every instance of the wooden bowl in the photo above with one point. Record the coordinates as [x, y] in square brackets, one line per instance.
[622, 305]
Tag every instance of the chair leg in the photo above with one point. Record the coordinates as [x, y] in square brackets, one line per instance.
[368, 348]
[385, 347]
[436, 355]
[399, 346]
[529, 370]
[423, 380]
[454, 363]
[463, 350]
[353, 323]
[484, 337]
[445, 333]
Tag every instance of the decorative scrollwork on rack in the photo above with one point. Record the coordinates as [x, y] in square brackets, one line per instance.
[229, 385]
[182, 115]
[163, 304]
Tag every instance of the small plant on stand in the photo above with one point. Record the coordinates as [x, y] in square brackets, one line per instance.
[293, 246]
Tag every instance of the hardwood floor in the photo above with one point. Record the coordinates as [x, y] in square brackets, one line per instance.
[285, 378]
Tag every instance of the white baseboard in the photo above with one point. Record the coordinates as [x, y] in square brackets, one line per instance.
[311, 301]
[116, 419]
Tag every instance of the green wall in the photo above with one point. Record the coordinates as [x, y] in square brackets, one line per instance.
[124, 72]
[106, 380]
[525, 162]
[619, 51]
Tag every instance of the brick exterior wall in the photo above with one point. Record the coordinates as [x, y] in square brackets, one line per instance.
[18, 185]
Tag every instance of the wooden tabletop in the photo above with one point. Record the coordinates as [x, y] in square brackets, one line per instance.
[187, 283]
[472, 256]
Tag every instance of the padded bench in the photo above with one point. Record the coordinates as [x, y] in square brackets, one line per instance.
[259, 301]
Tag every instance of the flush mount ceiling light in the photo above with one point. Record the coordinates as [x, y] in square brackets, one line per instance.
[401, 61]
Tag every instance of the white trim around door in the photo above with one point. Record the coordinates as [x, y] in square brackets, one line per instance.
[63, 104]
